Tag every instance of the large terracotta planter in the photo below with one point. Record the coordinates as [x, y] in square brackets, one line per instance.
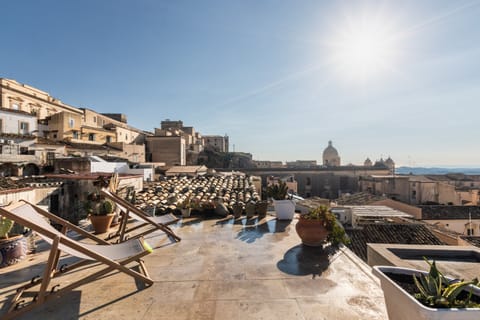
[312, 232]
[285, 209]
[102, 223]
[12, 250]
[403, 306]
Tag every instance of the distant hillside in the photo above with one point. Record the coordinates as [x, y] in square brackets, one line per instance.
[420, 170]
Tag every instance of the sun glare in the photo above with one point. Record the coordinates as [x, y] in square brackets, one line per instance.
[363, 50]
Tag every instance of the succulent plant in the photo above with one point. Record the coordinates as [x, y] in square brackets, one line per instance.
[437, 291]
[278, 191]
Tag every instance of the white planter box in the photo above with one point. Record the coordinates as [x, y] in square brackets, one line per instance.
[285, 209]
[403, 306]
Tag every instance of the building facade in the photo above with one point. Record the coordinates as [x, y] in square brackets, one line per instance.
[216, 143]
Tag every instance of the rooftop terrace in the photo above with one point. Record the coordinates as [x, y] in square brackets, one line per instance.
[222, 269]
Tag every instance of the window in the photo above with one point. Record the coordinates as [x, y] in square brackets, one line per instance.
[71, 123]
[75, 135]
[23, 128]
[91, 137]
[15, 106]
[109, 139]
[414, 194]
[94, 119]
[309, 181]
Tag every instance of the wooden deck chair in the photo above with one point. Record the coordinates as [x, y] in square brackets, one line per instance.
[114, 257]
[152, 223]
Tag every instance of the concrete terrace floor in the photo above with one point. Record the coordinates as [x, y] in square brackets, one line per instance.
[222, 269]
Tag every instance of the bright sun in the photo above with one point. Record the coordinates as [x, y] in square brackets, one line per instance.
[363, 50]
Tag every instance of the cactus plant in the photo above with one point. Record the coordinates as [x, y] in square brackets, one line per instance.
[5, 227]
[104, 207]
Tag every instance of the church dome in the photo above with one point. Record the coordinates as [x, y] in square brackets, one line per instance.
[368, 162]
[330, 156]
[389, 163]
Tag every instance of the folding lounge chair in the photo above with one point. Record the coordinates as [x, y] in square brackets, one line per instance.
[128, 210]
[113, 256]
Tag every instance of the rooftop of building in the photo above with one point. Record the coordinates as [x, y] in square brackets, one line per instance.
[7, 184]
[392, 233]
[221, 269]
[358, 199]
[474, 241]
[443, 212]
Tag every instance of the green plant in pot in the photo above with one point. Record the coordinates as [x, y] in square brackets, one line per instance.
[418, 294]
[185, 207]
[318, 226]
[284, 208]
[100, 211]
[6, 226]
[12, 248]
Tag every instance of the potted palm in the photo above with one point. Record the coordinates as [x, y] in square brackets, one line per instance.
[318, 226]
[284, 208]
[415, 294]
[12, 248]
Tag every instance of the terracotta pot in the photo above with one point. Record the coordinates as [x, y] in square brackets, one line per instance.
[250, 209]
[312, 232]
[237, 210]
[12, 250]
[101, 224]
[261, 208]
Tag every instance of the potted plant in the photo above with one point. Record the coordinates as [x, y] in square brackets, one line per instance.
[12, 248]
[284, 208]
[100, 212]
[261, 208]
[250, 209]
[318, 226]
[237, 209]
[208, 207]
[185, 207]
[415, 294]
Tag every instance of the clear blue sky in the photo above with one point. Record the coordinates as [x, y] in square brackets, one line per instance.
[281, 78]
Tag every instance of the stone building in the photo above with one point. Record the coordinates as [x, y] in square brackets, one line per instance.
[21, 97]
[216, 143]
[425, 189]
[330, 156]
[83, 131]
[168, 149]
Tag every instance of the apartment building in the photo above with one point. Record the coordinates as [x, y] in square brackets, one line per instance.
[26, 111]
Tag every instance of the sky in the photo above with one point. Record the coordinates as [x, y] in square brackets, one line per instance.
[280, 78]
